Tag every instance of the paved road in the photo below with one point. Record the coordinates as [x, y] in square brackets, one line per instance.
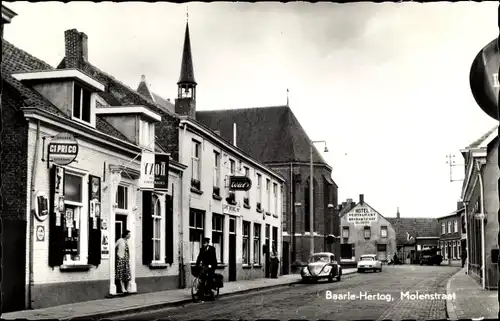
[312, 301]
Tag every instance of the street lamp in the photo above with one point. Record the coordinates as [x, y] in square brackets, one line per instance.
[311, 194]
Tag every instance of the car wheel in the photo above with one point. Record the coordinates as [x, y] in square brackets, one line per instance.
[339, 276]
[360, 271]
[380, 270]
[330, 277]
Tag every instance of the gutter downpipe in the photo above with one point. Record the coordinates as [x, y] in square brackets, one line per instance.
[482, 215]
[466, 203]
[292, 221]
[32, 215]
[182, 272]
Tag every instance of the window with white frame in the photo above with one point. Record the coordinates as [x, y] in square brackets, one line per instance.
[383, 231]
[259, 188]
[196, 232]
[146, 133]
[449, 226]
[76, 227]
[122, 197]
[345, 232]
[246, 243]
[232, 166]
[443, 228]
[268, 194]
[82, 106]
[195, 162]
[218, 235]
[256, 243]
[275, 197]
[216, 169]
[157, 228]
[455, 226]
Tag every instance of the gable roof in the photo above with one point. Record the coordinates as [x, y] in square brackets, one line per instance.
[415, 227]
[18, 60]
[270, 134]
[144, 90]
[484, 139]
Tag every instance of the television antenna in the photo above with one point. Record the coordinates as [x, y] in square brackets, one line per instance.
[452, 163]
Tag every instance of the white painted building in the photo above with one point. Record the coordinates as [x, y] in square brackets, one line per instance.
[239, 223]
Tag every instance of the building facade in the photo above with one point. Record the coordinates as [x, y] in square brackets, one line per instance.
[480, 197]
[450, 239]
[275, 136]
[366, 231]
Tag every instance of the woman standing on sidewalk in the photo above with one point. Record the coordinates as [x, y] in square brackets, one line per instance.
[123, 274]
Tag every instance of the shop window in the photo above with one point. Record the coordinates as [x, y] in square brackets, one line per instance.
[218, 235]
[157, 230]
[75, 219]
[196, 232]
[256, 243]
[246, 243]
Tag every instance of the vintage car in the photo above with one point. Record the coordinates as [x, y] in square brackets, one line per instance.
[431, 257]
[321, 266]
[369, 262]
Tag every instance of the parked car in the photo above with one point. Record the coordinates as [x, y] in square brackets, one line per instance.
[431, 257]
[369, 262]
[321, 265]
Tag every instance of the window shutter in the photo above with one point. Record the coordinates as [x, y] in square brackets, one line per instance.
[94, 226]
[147, 227]
[169, 228]
[56, 232]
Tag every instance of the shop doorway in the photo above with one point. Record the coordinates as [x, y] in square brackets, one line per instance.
[232, 249]
[267, 250]
[120, 227]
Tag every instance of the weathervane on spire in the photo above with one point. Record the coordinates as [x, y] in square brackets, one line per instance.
[287, 98]
[187, 13]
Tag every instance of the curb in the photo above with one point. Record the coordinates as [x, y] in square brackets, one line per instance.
[450, 308]
[132, 310]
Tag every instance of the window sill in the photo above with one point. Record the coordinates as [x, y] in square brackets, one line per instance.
[268, 213]
[275, 215]
[216, 197]
[74, 267]
[259, 210]
[158, 265]
[196, 191]
[246, 266]
[247, 206]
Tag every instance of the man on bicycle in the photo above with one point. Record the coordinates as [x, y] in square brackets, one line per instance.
[208, 260]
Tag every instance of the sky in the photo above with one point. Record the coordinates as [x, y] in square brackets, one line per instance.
[386, 85]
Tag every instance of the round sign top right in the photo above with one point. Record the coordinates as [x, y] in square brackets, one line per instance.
[483, 78]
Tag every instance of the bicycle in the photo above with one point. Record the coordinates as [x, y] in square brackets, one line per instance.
[200, 278]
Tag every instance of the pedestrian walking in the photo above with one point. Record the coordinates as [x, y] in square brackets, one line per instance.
[274, 263]
[123, 274]
[207, 259]
[464, 257]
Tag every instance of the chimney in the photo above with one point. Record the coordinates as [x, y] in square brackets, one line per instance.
[76, 48]
[349, 201]
[234, 134]
[361, 199]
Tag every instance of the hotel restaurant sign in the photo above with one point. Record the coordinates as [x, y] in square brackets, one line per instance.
[362, 215]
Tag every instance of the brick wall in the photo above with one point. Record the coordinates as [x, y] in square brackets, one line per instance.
[14, 161]
[169, 132]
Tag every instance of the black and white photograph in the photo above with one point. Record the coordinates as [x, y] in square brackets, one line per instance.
[330, 161]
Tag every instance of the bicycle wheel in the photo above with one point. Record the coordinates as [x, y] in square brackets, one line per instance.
[195, 293]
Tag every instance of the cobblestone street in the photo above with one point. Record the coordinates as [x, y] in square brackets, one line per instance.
[309, 301]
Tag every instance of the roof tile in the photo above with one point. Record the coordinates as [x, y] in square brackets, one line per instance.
[416, 227]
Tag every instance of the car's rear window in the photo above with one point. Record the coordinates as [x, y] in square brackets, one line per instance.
[367, 258]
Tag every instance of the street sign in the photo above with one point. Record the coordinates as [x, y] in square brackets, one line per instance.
[483, 79]
[63, 149]
[239, 183]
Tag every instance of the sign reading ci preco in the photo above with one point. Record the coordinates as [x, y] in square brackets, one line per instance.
[484, 79]
[239, 183]
[154, 171]
[63, 149]
[362, 215]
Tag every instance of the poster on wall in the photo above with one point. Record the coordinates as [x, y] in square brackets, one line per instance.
[104, 240]
[154, 171]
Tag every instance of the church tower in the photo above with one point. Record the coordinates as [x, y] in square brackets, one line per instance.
[185, 104]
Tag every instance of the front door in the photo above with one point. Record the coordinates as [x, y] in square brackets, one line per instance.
[382, 252]
[286, 256]
[120, 227]
[267, 252]
[232, 249]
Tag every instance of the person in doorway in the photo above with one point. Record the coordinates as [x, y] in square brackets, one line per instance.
[464, 257]
[123, 261]
[274, 263]
[207, 259]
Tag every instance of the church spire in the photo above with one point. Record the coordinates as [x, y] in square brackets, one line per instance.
[185, 104]
[187, 70]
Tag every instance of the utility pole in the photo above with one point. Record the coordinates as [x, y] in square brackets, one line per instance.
[451, 163]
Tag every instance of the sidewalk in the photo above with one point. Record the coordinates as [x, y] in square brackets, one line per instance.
[471, 300]
[145, 301]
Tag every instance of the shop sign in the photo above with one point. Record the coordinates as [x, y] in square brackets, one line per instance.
[483, 78]
[362, 215]
[240, 183]
[63, 149]
[231, 209]
[154, 171]
[40, 233]
[104, 240]
[41, 207]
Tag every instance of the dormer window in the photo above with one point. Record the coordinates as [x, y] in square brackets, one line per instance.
[82, 107]
[146, 133]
